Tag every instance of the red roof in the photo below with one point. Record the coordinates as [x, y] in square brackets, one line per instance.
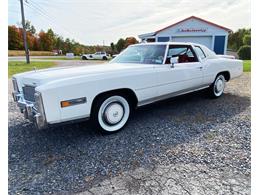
[197, 18]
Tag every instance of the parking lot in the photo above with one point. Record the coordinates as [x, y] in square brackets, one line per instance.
[185, 145]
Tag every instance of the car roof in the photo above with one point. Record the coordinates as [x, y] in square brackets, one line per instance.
[168, 43]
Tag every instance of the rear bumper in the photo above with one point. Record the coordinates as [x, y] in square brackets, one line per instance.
[30, 112]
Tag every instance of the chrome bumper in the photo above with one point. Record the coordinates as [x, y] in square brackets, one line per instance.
[29, 110]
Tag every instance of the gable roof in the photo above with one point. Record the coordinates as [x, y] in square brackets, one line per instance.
[197, 18]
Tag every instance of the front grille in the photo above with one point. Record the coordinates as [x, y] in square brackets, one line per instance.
[28, 93]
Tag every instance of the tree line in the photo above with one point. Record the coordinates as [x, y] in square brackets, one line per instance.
[49, 41]
[240, 41]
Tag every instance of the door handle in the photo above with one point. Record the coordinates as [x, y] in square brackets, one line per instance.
[199, 67]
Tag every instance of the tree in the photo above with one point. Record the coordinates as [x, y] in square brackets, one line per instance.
[130, 41]
[44, 41]
[68, 46]
[247, 39]
[112, 47]
[235, 40]
[120, 45]
[59, 43]
[52, 39]
[32, 30]
[15, 42]
[29, 28]
[47, 40]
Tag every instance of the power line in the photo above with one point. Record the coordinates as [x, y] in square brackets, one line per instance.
[40, 10]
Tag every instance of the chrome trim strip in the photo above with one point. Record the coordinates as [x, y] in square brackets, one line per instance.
[169, 83]
[170, 95]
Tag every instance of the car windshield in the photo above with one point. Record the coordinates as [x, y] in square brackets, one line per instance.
[142, 54]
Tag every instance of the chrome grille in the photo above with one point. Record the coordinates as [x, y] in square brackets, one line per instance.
[28, 93]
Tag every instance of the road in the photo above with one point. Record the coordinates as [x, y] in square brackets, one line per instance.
[185, 145]
[59, 62]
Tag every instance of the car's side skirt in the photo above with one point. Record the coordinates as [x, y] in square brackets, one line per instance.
[167, 96]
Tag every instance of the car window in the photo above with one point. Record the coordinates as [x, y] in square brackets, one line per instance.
[184, 52]
[200, 52]
[209, 53]
[141, 54]
[176, 51]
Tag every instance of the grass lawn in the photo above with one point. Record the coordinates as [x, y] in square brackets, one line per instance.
[18, 66]
[247, 66]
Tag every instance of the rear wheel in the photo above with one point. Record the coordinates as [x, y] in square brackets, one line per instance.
[104, 58]
[84, 58]
[217, 87]
[110, 113]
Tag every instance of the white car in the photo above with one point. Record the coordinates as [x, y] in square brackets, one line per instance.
[96, 56]
[142, 74]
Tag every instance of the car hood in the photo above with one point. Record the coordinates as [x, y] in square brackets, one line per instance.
[38, 77]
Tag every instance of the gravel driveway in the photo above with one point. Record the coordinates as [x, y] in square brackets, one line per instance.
[186, 145]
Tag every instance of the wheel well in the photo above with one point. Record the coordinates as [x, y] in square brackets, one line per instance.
[127, 93]
[226, 74]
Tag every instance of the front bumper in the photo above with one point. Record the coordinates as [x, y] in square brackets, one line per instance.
[30, 111]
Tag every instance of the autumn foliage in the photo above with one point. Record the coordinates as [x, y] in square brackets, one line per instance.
[49, 41]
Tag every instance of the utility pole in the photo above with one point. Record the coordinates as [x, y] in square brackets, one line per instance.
[24, 35]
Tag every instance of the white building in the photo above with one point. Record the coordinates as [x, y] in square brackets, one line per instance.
[192, 29]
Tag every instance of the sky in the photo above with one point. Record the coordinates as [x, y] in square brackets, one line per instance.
[93, 22]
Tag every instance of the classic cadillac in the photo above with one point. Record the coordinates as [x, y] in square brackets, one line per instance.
[107, 94]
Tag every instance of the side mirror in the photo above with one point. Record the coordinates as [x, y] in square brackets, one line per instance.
[174, 60]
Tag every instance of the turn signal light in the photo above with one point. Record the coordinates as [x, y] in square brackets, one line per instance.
[73, 102]
[65, 104]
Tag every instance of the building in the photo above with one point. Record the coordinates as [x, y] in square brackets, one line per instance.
[192, 29]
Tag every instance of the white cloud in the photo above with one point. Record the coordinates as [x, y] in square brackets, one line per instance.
[91, 22]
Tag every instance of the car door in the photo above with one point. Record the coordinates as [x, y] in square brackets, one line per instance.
[96, 55]
[183, 76]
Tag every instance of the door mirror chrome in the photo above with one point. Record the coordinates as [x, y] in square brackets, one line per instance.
[173, 61]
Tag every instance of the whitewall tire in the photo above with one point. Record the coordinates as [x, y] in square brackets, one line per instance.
[218, 86]
[111, 113]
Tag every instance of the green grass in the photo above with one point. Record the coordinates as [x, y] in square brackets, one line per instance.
[15, 67]
[247, 66]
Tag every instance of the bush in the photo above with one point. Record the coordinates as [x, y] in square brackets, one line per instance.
[244, 52]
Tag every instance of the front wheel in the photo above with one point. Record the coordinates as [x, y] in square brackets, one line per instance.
[217, 87]
[111, 113]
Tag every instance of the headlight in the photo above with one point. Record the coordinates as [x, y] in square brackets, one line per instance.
[15, 85]
[40, 115]
[39, 103]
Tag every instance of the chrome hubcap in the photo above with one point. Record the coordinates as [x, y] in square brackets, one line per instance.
[219, 85]
[113, 113]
